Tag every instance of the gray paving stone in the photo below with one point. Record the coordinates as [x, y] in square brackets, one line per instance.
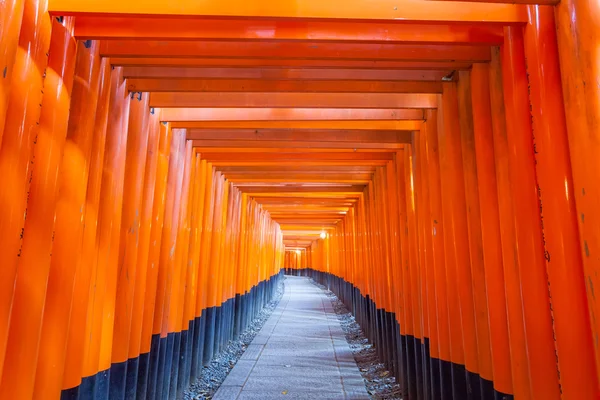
[252, 352]
[300, 353]
[353, 383]
[297, 361]
[358, 394]
[293, 382]
[343, 354]
[329, 372]
[322, 344]
[316, 353]
[320, 335]
[261, 339]
[238, 375]
[290, 395]
[350, 371]
[227, 393]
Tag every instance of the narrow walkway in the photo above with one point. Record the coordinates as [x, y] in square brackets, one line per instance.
[300, 353]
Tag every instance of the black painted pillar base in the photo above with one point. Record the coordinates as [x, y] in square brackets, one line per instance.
[132, 377]
[209, 336]
[143, 371]
[102, 385]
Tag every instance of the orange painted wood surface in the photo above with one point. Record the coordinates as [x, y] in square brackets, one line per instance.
[435, 159]
[16, 150]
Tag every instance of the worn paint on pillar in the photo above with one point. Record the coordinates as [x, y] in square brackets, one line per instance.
[572, 329]
[528, 228]
[16, 150]
[578, 37]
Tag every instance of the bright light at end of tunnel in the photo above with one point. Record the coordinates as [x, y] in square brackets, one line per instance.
[323, 235]
[297, 251]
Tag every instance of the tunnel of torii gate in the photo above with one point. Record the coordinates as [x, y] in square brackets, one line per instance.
[435, 164]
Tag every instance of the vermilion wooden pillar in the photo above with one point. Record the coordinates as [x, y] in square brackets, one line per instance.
[572, 328]
[487, 191]
[414, 325]
[129, 239]
[456, 245]
[78, 321]
[51, 355]
[16, 149]
[174, 293]
[194, 308]
[527, 219]
[109, 257]
[10, 28]
[514, 304]
[31, 306]
[146, 213]
[442, 381]
[578, 37]
[161, 364]
[429, 317]
[473, 215]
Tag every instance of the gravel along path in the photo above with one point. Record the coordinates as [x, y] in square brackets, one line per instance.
[381, 385]
[213, 375]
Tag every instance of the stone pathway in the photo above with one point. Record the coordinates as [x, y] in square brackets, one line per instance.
[300, 353]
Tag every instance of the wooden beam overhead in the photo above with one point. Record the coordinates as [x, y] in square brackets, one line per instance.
[317, 214]
[540, 2]
[172, 28]
[309, 220]
[304, 209]
[287, 74]
[268, 202]
[381, 10]
[261, 191]
[324, 179]
[307, 228]
[289, 118]
[196, 48]
[250, 164]
[308, 135]
[293, 100]
[228, 62]
[300, 158]
[292, 238]
[295, 245]
[317, 223]
[312, 195]
[300, 169]
[286, 176]
[301, 232]
[300, 145]
[256, 85]
[371, 125]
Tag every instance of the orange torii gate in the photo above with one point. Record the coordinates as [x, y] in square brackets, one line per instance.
[434, 162]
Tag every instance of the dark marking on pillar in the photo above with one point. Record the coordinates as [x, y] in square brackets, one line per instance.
[586, 248]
